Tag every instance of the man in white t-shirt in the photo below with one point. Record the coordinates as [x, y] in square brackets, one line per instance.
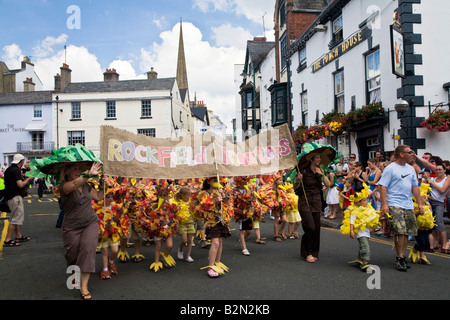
[398, 184]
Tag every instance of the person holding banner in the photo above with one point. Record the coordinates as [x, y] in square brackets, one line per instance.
[308, 187]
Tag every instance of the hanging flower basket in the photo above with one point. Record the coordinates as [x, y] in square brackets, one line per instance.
[438, 120]
[336, 127]
[305, 134]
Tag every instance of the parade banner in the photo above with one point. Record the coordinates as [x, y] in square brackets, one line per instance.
[126, 154]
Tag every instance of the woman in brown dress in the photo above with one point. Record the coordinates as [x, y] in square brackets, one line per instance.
[80, 224]
[308, 187]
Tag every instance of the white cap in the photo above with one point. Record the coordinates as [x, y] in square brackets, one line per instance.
[17, 158]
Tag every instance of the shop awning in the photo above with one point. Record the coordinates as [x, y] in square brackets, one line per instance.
[36, 126]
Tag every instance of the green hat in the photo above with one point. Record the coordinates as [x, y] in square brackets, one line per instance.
[50, 167]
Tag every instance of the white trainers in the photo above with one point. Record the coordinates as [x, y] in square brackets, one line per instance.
[180, 255]
[245, 252]
[189, 259]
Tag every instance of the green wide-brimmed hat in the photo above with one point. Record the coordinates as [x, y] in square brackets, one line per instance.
[328, 156]
[50, 167]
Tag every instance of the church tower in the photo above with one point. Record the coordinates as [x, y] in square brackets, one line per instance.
[181, 68]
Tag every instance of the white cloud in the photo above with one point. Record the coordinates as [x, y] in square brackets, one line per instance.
[253, 10]
[228, 36]
[45, 46]
[210, 68]
[125, 70]
[12, 56]
[84, 66]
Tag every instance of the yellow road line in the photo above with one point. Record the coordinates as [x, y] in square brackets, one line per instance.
[5, 230]
[43, 214]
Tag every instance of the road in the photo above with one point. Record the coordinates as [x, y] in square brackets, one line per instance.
[274, 271]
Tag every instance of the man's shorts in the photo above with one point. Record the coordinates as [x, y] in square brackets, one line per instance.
[403, 221]
[17, 213]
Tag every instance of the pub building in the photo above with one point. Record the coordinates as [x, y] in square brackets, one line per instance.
[377, 56]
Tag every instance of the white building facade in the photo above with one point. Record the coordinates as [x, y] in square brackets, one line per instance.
[343, 62]
[26, 125]
[152, 107]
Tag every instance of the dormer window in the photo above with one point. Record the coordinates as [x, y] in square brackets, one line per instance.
[338, 32]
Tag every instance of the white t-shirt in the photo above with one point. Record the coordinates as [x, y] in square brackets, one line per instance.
[399, 181]
[440, 197]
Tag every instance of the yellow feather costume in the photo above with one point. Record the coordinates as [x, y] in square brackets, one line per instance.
[365, 217]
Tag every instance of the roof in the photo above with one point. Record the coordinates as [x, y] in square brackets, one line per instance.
[199, 112]
[310, 5]
[328, 13]
[257, 51]
[31, 97]
[120, 86]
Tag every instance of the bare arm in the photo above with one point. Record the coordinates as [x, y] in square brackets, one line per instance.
[23, 183]
[416, 194]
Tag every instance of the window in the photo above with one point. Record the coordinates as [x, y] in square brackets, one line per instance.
[283, 51]
[373, 77]
[282, 13]
[304, 104]
[37, 141]
[74, 137]
[150, 132]
[146, 110]
[110, 109]
[278, 104]
[302, 60]
[339, 91]
[338, 33]
[76, 111]
[37, 112]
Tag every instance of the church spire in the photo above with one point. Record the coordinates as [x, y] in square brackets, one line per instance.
[181, 63]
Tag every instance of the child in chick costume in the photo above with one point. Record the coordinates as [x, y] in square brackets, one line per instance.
[162, 225]
[425, 223]
[274, 196]
[243, 195]
[186, 227]
[215, 207]
[113, 225]
[292, 214]
[359, 218]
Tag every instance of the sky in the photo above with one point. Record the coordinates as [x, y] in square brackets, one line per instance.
[134, 35]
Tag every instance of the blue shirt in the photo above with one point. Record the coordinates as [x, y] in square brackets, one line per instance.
[399, 181]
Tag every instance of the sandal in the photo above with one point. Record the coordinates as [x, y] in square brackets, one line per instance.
[212, 273]
[113, 268]
[23, 239]
[11, 243]
[86, 296]
[105, 275]
[259, 241]
[310, 259]
[277, 238]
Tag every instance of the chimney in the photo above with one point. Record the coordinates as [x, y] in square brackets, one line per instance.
[25, 61]
[263, 39]
[28, 85]
[66, 76]
[110, 75]
[57, 82]
[152, 74]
